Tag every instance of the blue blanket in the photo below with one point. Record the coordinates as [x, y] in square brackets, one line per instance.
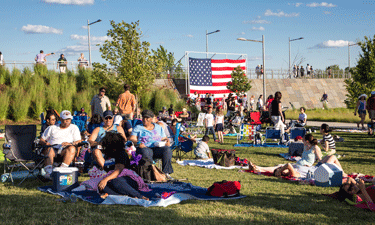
[179, 191]
[267, 145]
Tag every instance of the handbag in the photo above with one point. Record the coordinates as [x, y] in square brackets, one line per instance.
[224, 157]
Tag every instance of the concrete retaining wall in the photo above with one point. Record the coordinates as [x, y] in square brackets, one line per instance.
[303, 92]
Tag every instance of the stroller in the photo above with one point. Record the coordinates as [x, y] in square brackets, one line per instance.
[231, 123]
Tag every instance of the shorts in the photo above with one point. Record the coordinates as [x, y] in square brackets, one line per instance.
[201, 155]
[371, 114]
[362, 111]
[219, 127]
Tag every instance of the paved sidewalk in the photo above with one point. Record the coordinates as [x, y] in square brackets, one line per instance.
[333, 124]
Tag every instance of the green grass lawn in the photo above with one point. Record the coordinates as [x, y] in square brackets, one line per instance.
[328, 115]
[269, 200]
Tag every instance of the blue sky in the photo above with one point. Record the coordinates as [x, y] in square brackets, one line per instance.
[28, 26]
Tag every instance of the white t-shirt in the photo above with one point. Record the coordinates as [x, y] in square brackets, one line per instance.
[302, 117]
[1, 59]
[55, 135]
[202, 147]
[220, 119]
[210, 120]
[193, 96]
[40, 57]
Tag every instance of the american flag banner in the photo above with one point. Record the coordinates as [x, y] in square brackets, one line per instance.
[212, 75]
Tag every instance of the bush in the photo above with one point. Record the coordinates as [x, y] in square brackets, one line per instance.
[40, 69]
[83, 99]
[15, 78]
[147, 99]
[37, 105]
[20, 104]
[4, 104]
[4, 75]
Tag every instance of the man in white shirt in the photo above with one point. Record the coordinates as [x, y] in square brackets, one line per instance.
[260, 103]
[64, 136]
[41, 57]
[209, 123]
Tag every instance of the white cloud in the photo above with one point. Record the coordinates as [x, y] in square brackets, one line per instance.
[241, 33]
[189, 35]
[77, 49]
[258, 28]
[323, 4]
[332, 44]
[84, 27]
[40, 29]
[70, 2]
[257, 21]
[280, 14]
[93, 39]
[298, 4]
[327, 12]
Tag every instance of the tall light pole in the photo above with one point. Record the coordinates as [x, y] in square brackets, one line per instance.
[207, 40]
[289, 51]
[264, 61]
[88, 29]
[349, 54]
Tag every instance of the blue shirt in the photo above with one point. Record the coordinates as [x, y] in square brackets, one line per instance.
[149, 137]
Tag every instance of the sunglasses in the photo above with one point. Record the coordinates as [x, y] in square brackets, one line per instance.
[108, 118]
[102, 91]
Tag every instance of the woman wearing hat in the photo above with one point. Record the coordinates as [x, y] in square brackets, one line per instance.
[149, 139]
[99, 133]
[361, 108]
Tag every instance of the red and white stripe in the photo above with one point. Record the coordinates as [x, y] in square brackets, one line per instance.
[221, 75]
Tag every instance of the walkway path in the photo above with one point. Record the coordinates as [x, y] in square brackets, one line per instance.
[333, 124]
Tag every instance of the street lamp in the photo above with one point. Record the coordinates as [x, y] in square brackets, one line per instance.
[349, 54]
[264, 68]
[88, 28]
[289, 50]
[207, 40]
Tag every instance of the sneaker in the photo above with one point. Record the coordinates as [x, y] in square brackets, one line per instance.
[169, 177]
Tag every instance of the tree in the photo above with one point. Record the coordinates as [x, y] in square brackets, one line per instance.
[363, 75]
[130, 59]
[239, 84]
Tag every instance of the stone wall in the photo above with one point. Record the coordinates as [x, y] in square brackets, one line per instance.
[303, 92]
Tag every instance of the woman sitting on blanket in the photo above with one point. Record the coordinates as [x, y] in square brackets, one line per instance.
[356, 192]
[304, 165]
[120, 181]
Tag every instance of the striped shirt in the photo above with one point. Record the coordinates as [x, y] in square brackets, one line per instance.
[331, 142]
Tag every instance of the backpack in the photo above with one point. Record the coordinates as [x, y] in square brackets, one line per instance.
[224, 189]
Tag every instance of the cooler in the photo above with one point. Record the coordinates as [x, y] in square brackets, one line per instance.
[64, 178]
[328, 175]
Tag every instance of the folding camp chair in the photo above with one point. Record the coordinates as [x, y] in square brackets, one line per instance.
[20, 154]
[81, 122]
[198, 128]
[181, 148]
[246, 130]
[272, 133]
[297, 131]
[255, 118]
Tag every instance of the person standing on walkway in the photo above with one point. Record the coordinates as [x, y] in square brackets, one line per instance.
[62, 63]
[371, 107]
[361, 108]
[324, 99]
[302, 71]
[1, 59]
[41, 57]
[82, 62]
[126, 103]
[100, 103]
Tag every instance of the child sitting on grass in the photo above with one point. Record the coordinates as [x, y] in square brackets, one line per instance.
[328, 143]
[202, 151]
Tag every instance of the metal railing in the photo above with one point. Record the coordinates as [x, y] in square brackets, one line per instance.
[181, 72]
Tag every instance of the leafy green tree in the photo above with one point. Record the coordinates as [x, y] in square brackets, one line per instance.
[363, 75]
[129, 58]
[240, 83]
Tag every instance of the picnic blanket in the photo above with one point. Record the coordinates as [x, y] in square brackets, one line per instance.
[265, 145]
[311, 181]
[161, 194]
[207, 163]
[363, 205]
[230, 135]
[287, 156]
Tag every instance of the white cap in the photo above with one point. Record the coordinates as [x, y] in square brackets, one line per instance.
[362, 95]
[66, 115]
[372, 92]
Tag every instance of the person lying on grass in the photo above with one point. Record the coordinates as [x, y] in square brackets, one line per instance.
[120, 181]
[356, 192]
[304, 165]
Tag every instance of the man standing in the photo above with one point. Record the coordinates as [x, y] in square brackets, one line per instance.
[62, 63]
[100, 103]
[41, 57]
[308, 70]
[64, 136]
[371, 107]
[126, 103]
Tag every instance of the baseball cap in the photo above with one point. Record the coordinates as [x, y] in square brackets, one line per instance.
[372, 92]
[107, 113]
[65, 114]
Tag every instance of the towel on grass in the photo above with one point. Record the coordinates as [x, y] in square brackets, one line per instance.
[162, 195]
[287, 156]
[206, 163]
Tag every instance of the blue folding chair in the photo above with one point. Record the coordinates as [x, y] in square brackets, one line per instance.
[272, 133]
[297, 131]
[181, 148]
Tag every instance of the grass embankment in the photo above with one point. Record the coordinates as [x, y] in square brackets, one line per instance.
[270, 200]
[328, 115]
